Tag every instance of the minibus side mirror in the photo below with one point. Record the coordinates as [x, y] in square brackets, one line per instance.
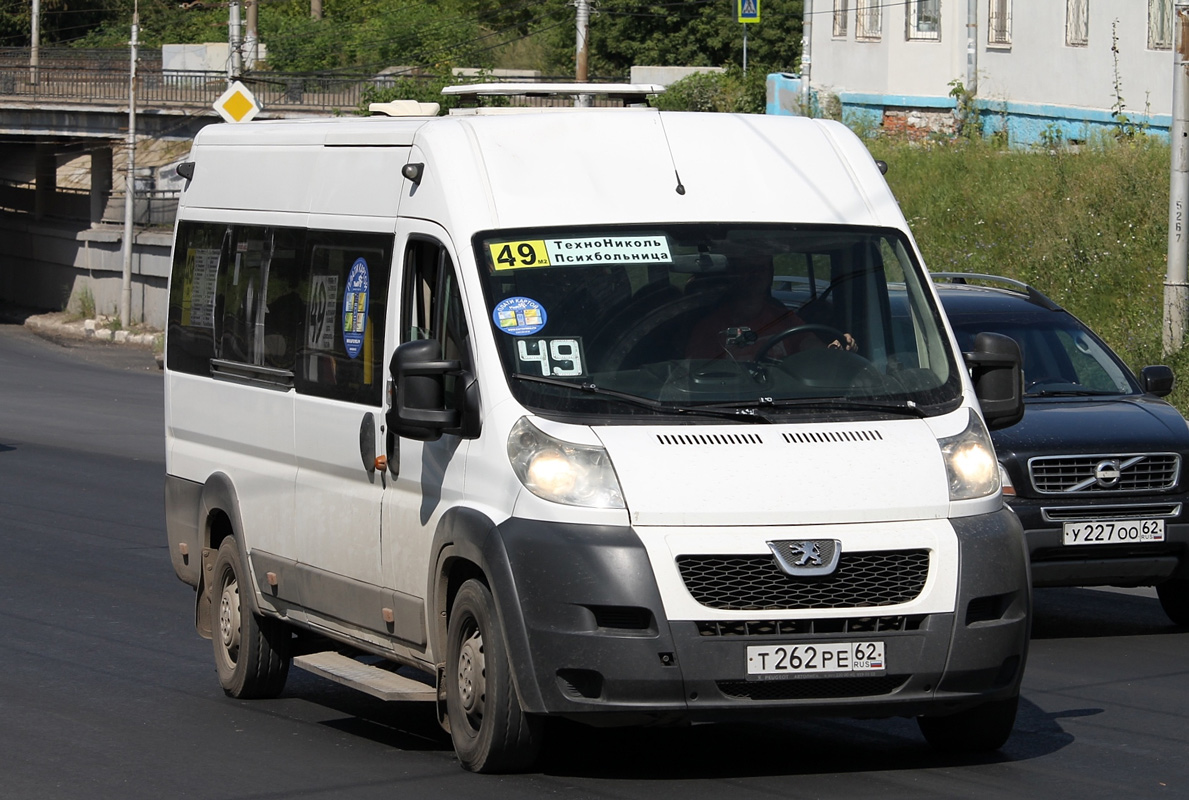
[995, 367]
[419, 409]
[1157, 380]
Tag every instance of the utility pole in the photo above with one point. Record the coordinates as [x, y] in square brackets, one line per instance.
[806, 55]
[581, 50]
[1176, 285]
[130, 179]
[235, 64]
[315, 9]
[252, 39]
[35, 44]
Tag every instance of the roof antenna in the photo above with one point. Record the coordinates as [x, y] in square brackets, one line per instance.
[665, 133]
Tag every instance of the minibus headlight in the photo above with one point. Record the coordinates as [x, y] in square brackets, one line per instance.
[970, 462]
[562, 472]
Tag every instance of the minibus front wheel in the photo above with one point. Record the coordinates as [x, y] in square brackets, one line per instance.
[491, 732]
[252, 653]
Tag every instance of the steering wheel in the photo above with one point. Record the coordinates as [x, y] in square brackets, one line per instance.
[777, 338]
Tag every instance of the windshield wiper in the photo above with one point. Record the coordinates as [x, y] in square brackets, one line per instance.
[906, 407]
[734, 413]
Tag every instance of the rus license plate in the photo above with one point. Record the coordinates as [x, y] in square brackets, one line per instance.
[1120, 531]
[812, 659]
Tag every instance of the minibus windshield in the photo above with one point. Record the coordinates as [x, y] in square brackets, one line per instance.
[734, 320]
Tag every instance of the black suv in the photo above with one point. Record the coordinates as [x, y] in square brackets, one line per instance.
[1095, 468]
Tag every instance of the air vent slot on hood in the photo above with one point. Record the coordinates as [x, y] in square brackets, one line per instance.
[709, 438]
[830, 437]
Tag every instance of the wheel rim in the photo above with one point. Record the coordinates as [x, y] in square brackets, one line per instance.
[229, 619]
[472, 676]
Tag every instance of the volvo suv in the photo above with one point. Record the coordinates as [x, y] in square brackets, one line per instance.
[1095, 469]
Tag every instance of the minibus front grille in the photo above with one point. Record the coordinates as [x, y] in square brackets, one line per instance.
[756, 582]
[812, 688]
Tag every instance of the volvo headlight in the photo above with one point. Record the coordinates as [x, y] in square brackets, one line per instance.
[562, 472]
[970, 461]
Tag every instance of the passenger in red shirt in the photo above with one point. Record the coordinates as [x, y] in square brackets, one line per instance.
[748, 305]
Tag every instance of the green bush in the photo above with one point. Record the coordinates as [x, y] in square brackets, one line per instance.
[1088, 227]
[729, 91]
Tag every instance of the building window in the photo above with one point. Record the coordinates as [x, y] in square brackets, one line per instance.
[1077, 22]
[924, 19]
[869, 19]
[1160, 24]
[999, 29]
[840, 13]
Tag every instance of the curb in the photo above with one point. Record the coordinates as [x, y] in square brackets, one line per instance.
[59, 324]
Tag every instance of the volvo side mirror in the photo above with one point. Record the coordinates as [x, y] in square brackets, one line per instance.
[1157, 380]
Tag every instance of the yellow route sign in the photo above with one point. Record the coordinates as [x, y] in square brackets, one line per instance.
[237, 104]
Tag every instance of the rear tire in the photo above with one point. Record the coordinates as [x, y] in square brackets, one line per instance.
[491, 732]
[1174, 599]
[982, 729]
[252, 653]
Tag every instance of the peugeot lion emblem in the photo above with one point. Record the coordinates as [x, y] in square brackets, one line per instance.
[1108, 472]
[807, 558]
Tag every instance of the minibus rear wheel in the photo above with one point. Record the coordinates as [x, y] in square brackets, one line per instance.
[252, 653]
[491, 732]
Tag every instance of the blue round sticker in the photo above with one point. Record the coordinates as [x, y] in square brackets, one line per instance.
[519, 316]
[355, 308]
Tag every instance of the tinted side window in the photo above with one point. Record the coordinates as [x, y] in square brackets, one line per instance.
[432, 305]
[344, 291]
[233, 297]
[200, 254]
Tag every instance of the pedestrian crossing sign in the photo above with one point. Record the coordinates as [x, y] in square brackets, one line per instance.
[748, 10]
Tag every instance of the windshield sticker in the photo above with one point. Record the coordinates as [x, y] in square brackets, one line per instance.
[557, 357]
[355, 308]
[587, 250]
[519, 316]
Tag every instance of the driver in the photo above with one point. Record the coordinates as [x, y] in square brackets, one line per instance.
[748, 315]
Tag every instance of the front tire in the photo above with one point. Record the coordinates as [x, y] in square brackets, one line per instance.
[982, 729]
[252, 653]
[491, 732]
[1174, 599]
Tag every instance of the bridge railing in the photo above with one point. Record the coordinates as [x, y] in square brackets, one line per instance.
[100, 77]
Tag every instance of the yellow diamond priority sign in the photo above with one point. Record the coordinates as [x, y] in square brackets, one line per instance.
[237, 104]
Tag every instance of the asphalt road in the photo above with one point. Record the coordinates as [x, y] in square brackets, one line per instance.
[107, 692]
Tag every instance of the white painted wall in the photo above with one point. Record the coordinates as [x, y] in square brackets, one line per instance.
[1038, 67]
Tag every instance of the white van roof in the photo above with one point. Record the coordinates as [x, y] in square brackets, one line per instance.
[584, 167]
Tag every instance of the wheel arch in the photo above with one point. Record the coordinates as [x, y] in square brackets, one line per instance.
[468, 545]
[218, 518]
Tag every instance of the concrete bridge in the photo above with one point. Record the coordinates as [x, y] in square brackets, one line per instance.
[63, 131]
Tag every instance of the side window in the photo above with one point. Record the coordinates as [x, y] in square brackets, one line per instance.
[344, 291]
[200, 253]
[258, 306]
[233, 297]
[432, 304]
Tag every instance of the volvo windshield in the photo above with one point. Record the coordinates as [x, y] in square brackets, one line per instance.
[710, 321]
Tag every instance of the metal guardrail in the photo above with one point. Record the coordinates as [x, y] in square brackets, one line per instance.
[100, 77]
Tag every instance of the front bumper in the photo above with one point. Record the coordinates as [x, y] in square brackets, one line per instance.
[1136, 564]
[601, 649]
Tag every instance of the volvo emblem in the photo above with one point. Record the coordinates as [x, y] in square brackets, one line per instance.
[806, 558]
[1108, 472]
